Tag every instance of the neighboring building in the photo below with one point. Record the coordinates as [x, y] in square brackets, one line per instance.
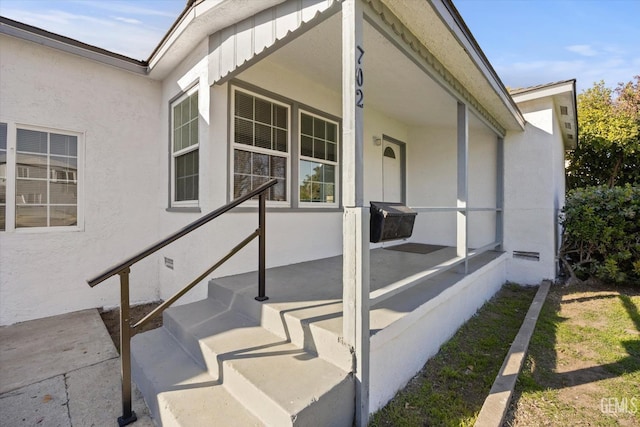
[344, 103]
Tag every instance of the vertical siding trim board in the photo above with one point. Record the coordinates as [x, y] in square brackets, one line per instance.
[239, 46]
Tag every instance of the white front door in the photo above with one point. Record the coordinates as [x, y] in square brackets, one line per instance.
[391, 172]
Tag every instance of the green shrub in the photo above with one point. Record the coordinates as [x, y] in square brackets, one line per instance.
[602, 234]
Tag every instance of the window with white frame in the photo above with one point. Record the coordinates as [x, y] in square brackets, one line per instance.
[45, 178]
[260, 145]
[185, 150]
[317, 178]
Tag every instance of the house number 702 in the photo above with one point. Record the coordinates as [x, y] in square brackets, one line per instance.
[359, 79]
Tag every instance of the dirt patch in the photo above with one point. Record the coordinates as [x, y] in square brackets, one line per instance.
[111, 319]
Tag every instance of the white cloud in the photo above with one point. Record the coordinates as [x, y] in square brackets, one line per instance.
[125, 36]
[124, 8]
[586, 71]
[128, 20]
[582, 49]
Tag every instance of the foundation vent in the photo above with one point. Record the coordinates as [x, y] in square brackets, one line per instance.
[530, 256]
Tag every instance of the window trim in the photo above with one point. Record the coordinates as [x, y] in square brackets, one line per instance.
[173, 203]
[253, 149]
[11, 170]
[336, 163]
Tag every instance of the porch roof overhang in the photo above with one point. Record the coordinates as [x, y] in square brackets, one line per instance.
[437, 25]
[432, 29]
[563, 95]
[199, 19]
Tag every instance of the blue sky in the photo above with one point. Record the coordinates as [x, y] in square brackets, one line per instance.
[528, 42]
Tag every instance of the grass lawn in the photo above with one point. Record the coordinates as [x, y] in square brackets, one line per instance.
[583, 364]
[452, 386]
[582, 367]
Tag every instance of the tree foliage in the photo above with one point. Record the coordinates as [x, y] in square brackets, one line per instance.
[602, 234]
[608, 151]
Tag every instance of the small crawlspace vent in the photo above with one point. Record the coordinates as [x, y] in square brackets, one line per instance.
[531, 256]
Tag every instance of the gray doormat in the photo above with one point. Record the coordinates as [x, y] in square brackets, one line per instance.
[416, 248]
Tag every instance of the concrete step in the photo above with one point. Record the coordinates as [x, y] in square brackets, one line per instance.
[177, 391]
[312, 326]
[275, 379]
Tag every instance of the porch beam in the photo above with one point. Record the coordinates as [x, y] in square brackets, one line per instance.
[500, 191]
[355, 224]
[463, 185]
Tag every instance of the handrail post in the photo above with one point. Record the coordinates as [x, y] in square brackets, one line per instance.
[262, 247]
[128, 416]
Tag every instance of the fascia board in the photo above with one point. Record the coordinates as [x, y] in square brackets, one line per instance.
[545, 91]
[462, 33]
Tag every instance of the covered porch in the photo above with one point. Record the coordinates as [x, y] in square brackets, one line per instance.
[443, 114]
[406, 328]
[419, 119]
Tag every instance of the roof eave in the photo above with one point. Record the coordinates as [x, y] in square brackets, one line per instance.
[563, 92]
[198, 21]
[45, 38]
[450, 15]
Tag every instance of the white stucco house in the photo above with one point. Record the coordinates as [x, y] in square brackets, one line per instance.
[344, 103]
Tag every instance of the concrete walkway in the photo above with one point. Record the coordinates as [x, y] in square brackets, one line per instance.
[62, 371]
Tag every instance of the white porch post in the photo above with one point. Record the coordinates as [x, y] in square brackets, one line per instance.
[463, 184]
[500, 192]
[355, 225]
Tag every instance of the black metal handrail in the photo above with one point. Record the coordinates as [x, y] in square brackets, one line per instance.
[123, 269]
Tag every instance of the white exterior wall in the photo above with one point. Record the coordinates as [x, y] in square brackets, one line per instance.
[534, 189]
[432, 182]
[43, 273]
[292, 235]
[376, 124]
[400, 350]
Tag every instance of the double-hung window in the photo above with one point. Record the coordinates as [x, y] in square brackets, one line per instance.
[185, 150]
[288, 142]
[260, 145]
[318, 160]
[44, 179]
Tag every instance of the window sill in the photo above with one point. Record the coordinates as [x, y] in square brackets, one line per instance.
[44, 230]
[185, 209]
[274, 209]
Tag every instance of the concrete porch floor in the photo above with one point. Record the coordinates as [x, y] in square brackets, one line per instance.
[65, 370]
[311, 291]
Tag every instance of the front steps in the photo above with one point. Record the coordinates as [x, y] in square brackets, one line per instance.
[214, 364]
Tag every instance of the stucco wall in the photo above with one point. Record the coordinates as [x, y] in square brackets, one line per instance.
[43, 273]
[533, 192]
[432, 170]
[292, 235]
[399, 351]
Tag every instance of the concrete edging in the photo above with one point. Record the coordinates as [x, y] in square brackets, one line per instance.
[495, 405]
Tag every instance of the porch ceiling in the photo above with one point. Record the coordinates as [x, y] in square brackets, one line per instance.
[393, 84]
